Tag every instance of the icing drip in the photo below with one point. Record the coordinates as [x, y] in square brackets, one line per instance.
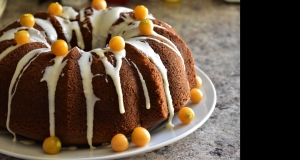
[69, 13]
[68, 27]
[149, 52]
[101, 22]
[145, 89]
[85, 63]
[76, 28]
[51, 76]
[82, 19]
[82, 16]
[122, 27]
[127, 24]
[130, 28]
[21, 67]
[134, 32]
[98, 33]
[8, 50]
[169, 44]
[10, 33]
[48, 28]
[131, 31]
[114, 72]
[35, 35]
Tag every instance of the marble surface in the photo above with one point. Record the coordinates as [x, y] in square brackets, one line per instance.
[211, 28]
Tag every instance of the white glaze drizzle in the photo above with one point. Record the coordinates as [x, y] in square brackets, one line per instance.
[145, 89]
[114, 72]
[128, 23]
[154, 57]
[134, 32]
[68, 27]
[48, 28]
[51, 76]
[169, 44]
[101, 21]
[7, 35]
[35, 35]
[21, 67]
[7, 50]
[69, 13]
[128, 31]
[85, 63]
[82, 16]
[76, 28]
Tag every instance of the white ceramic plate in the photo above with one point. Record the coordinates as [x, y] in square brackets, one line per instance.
[160, 136]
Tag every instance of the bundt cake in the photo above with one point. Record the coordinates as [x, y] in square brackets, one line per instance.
[92, 92]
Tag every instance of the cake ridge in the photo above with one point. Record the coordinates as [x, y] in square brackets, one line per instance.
[21, 67]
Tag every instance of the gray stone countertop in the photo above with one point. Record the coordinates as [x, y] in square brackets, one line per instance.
[211, 28]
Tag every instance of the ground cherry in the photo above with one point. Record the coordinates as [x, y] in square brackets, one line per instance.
[27, 20]
[22, 37]
[55, 9]
[99, 4]
[117, 43]
[196, 95]
[140, 136]
[59, 47]
[52, 145]
[186, 115]
[119, 143]
[140, 12]
[146, 27]
[198, 82]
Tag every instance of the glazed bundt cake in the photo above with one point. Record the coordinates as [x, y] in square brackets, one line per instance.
[92, 92]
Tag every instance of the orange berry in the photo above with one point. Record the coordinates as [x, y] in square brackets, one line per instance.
[22, 37]
[196, 95]
[117, 43]
[198, 82]
[27, 20]
[99, 4]
[140, 136]
[146, 27]
[140, 12]
[59, 47]
[55, 9]
[119, 143]
[52, 145]
[186, 115]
